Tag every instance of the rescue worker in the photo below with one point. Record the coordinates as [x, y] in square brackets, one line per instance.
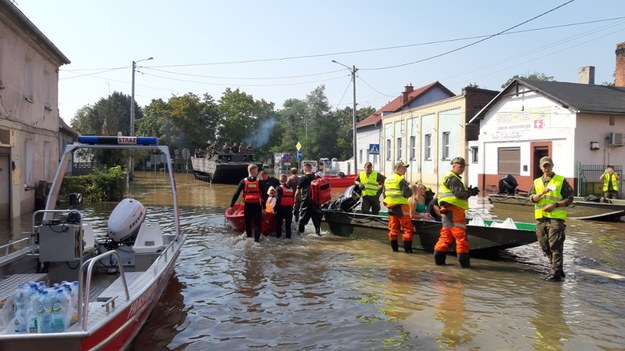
[550, 194]
[252, 201]
[396, 194]
[370, 183]
[453, 199]
[610, 183]
[307, 209]
[284, 207]
[292, 183]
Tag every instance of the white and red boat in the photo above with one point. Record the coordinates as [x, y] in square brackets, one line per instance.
[120, 279]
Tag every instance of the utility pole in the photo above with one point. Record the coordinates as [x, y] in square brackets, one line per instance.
[352, 71]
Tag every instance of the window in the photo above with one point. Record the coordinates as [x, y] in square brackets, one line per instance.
[388, 149]
[1, 61]
[427, 147]
[28, 80]
[509, 160]
[399, 150]
[47, 104]
[28, 162]
[445, 145]
[413, 147]
[474, 154]
[47, 151]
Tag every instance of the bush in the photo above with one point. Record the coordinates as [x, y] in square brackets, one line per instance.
[96, 187]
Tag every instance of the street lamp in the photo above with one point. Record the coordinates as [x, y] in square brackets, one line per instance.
[132, 96]
[353, 71]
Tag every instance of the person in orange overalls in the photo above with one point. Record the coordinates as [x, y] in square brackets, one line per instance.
[396, 194]
[453, 198]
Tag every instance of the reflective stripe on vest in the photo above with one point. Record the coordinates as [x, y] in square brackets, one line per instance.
[606, 182]
[287, 196]
[251, 192]
[551, 197]
[393, 191]
[446, 195]
[370, 182]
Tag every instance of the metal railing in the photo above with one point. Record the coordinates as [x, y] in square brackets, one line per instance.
[83, 301]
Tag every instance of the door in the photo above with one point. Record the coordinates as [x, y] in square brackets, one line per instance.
[5, 183]
[539, 152]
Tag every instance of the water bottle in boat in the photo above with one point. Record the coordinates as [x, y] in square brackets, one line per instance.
[60, 302]
[44, 312]
[33, 294]
[20, 301]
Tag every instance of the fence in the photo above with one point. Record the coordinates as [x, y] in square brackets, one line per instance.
[589, 182]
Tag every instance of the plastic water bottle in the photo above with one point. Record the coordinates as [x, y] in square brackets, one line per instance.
[72, 290]
[59, 301]
[20, 300]
[33, 295]
[44, 312]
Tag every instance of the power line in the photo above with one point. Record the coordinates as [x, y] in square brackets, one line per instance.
[470, 44]
[245, 78]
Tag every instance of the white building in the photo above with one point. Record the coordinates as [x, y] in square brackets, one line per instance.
[580, 125]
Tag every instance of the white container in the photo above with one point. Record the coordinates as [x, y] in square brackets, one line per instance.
[125, 219]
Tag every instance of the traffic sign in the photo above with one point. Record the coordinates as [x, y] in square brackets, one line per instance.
[298, 146]
[299, 154]
[374, 149]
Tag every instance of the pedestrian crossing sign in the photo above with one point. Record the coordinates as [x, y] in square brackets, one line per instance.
[374, 149]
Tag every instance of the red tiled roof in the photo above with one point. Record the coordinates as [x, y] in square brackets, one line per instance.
[397, 104]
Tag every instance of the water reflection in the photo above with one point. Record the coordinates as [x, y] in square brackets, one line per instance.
[552, 330]
[450, 311]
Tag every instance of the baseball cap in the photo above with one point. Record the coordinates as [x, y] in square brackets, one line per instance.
[399, 164]
[458, 160]
[545, 159]
[367, 164]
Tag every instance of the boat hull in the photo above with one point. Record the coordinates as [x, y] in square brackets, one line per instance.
[482, 239]
[236, 219]
[579, 209]
[341, 182]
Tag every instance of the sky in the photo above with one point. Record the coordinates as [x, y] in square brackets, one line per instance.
[283, 49]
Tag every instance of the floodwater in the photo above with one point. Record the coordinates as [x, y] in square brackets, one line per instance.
[333, 293]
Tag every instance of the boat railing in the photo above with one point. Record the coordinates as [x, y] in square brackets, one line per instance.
[163, 254]
[7, 254]
[83, 313]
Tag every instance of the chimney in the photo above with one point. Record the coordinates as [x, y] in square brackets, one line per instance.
[586, 75]
[619, 74]
[407, 90]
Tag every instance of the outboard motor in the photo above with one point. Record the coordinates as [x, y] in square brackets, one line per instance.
[126, 219]
[508, 185]
[349, 200]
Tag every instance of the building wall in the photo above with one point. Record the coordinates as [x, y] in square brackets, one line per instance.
[365, 136]
[29, 124]
[447, 115]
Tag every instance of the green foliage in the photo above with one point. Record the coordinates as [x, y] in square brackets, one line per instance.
[533, 76]
[97, 187]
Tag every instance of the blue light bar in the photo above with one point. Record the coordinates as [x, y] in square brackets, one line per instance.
[117, 140]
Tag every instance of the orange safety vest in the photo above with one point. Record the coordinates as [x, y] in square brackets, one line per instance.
[288, 196]
[251, 192]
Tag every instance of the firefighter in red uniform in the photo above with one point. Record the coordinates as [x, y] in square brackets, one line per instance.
[284, 207]
[453, 198]
[252, 199]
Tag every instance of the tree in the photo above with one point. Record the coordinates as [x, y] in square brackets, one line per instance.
[533, 76]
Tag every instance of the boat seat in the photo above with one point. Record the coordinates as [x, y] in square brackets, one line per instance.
[117, 287]
[9, 284]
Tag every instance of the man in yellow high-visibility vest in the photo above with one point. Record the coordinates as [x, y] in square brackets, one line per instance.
[610, 183]
[550, 194]
[396, 194]
[370, 183]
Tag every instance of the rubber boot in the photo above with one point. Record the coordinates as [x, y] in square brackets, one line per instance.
[439, 258]
[464, 260]
[394, 245]
[408, 246]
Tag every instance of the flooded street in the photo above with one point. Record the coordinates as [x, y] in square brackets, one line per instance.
[334, 293]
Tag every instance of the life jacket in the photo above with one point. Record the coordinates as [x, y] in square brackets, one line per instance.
[551, 197]
[446, 195]
[392, 191]
[251, 192]
[320, 191]
[606, 182]
[370, 182]
[287, 198]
